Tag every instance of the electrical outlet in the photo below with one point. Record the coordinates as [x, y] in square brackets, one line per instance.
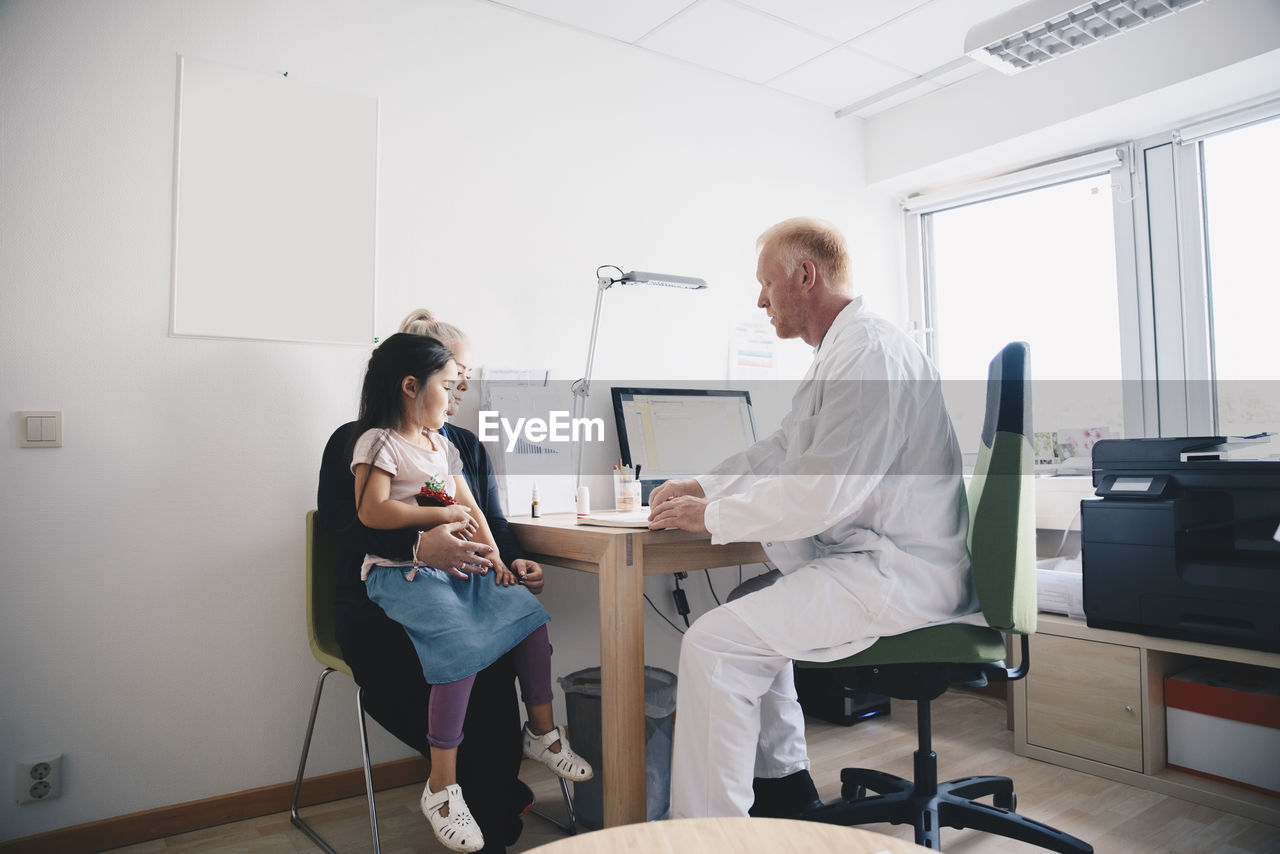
[37, 779]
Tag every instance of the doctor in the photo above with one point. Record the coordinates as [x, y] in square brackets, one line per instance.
[859, 501]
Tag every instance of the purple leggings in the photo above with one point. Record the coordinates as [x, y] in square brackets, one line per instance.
[447, 705]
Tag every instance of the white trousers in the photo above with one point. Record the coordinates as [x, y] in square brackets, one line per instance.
[737, 717]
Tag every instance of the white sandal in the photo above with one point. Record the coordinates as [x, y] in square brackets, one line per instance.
[565, 764]
[456, 831]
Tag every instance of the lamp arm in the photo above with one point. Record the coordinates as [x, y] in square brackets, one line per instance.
[582, 388]
[602, 285]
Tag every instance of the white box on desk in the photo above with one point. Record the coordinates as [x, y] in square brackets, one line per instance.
[1060, 587]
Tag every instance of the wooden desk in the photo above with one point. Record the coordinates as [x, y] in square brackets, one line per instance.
[622, 557]
[732, 836]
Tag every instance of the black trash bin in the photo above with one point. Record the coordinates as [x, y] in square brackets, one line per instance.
[582, 707]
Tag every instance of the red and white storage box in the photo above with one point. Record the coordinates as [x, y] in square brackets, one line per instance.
[1223, 721]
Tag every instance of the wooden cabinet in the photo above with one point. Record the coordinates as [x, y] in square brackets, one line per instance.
[1084, 698]
[1094, 701]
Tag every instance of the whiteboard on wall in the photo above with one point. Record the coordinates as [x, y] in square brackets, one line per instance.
[274, 208]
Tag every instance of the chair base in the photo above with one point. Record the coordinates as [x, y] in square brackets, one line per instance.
[899, 801]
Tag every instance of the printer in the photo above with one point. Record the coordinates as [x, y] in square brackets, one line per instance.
[1183, 541]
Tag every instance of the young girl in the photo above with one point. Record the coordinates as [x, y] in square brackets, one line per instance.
[459, 622]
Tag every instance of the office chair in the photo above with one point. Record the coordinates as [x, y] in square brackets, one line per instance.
[921, 664]
[322, 569]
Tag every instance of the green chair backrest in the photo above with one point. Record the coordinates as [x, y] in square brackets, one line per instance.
[322, 577]
[1002, 537]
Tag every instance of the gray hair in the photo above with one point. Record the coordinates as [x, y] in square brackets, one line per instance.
[807, 239]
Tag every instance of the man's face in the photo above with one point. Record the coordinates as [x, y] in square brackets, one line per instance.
[781, 295]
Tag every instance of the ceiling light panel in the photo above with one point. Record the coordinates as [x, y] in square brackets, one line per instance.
[624, 20]
[840, 77]
[736, 40]
[837, 19]
[1041, 30]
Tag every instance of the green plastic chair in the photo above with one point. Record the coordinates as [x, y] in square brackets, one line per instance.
[322, 570]
[920, 665]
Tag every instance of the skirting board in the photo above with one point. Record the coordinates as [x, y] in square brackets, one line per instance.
[195, 815]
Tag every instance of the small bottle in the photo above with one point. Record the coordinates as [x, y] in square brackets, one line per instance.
[533, 504]
[584, 502]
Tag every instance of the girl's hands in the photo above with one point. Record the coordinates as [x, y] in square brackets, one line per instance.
[502, 576]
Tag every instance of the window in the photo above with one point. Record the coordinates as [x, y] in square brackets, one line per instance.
[1241, 178]
[1035, 265]
[1146, 285]
[1040, 267]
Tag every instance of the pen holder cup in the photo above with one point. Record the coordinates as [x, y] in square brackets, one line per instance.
[626, 495]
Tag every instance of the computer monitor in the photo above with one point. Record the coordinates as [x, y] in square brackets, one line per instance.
[680, 432]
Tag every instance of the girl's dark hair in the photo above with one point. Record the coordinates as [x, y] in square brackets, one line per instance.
[400, 356]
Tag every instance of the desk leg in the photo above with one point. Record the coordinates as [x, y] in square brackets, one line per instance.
[622, 672]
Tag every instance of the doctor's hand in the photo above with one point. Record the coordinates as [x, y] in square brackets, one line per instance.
[674, 489]
[688, 512]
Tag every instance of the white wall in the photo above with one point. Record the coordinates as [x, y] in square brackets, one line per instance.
[151, 621]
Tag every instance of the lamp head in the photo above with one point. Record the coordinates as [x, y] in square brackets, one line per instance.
[637, 277]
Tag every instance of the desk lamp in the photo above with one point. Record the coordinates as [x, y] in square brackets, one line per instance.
[582, 388]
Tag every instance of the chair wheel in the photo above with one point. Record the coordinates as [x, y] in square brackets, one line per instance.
[854, 792]
[1009, 802]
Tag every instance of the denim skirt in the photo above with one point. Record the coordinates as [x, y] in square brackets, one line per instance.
[459, 626]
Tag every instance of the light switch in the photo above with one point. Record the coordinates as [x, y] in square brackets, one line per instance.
[40, 429]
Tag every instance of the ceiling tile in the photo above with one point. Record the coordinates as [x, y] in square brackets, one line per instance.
[837, 19]
[736, 40]
[839, 78]
[625, 20]
[930, 35]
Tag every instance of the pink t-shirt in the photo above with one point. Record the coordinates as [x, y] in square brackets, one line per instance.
[410, 467]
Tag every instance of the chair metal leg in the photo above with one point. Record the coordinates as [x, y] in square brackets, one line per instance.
[368, 770]
[571, 825]
[294, 817]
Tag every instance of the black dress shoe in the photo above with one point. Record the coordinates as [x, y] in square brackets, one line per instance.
[784, 797]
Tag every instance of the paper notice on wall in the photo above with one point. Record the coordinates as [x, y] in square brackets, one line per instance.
[753, 352]
[510, 395]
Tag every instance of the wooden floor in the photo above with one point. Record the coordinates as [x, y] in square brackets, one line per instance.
[969, 737]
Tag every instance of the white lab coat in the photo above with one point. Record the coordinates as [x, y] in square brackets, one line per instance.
[859, 501]
[862, 486]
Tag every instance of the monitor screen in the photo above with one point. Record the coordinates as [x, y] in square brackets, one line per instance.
[674, 432]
